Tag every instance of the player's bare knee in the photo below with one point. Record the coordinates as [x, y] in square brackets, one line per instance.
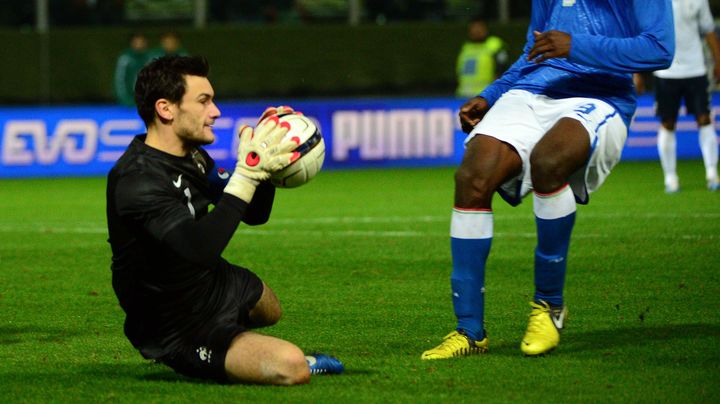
[293, 368]
[471, 189]
[547, 173]
[703, 120]
[668, 124]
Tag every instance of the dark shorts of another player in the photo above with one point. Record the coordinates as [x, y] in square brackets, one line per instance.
[204, 357]
[670, 92]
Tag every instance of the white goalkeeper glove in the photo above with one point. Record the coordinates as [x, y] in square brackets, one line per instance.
[260, 153]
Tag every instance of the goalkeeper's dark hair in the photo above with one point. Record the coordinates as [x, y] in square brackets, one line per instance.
[164, 78]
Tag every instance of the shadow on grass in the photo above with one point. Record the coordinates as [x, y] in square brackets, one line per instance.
[156, 372]
[146, 371]
[18, 334]
[98, 372]
[608, 341]
[619, 338]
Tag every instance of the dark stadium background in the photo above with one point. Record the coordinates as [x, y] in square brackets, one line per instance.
[63, 51]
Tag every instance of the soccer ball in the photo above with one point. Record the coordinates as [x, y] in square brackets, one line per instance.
[311, 149]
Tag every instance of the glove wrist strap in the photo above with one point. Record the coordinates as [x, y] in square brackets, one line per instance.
[241, 186]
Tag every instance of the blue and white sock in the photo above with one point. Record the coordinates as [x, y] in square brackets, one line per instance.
[554, 217]
[470, 239]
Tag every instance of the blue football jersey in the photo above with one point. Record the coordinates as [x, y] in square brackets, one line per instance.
[611, 39]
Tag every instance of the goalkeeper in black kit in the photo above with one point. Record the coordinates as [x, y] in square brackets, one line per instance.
[185, 305]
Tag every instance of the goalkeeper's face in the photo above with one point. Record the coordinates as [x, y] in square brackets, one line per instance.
[196, 113]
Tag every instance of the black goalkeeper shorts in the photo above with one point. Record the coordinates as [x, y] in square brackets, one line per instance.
[203, 355]
[669, 93]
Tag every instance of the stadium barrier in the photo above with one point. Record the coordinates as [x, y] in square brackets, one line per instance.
[76, 64]
[359, 133]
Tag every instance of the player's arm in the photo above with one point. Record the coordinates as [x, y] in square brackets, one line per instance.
[714, 46]
[473, 111]
[260, 152]
[259, 208]
[245, 197]
[151, 206]
[498, 87]
[652, 49]
[707, 28]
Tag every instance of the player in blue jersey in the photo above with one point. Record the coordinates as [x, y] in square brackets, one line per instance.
[554, 124]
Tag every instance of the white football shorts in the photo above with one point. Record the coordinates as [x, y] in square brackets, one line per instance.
[520, 119]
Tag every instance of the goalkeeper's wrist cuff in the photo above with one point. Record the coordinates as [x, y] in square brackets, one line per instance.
[241, 186]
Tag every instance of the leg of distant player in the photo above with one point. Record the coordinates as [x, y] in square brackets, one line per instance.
[487, 163]
[707, 137]
[262, 359]
[563, 150]
[668, 98]
[666, 144]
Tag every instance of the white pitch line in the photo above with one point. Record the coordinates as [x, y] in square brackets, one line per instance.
[91, 228]
[341, 233]
[498, 217]
[94, 228]
[363, 219]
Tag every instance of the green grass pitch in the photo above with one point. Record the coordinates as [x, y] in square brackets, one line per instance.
[361, 262]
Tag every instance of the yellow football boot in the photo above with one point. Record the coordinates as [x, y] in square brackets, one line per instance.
[456, 344]
[543, 331]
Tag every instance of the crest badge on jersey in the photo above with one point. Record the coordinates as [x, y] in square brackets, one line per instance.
[568, 3]
[204, 354]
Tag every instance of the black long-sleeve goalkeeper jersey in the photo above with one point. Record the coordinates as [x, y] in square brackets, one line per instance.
[167, 269]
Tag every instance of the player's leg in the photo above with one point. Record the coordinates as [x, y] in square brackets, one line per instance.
[561, 152]
[698, 104]
[262, 359]
[667, 150]
[707, 137]
[256, 358]
[487, 163]
[709, 147]
[573, 159]
[267, 310]
[668, 95]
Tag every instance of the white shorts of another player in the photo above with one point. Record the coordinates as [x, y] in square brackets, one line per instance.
[521, 119]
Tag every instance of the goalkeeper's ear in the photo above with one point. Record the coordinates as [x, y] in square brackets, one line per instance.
[163, 110]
